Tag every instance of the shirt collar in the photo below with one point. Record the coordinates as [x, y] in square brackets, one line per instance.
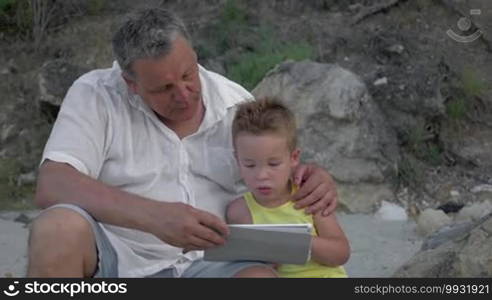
[216, 97]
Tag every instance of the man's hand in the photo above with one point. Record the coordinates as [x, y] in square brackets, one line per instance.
[317, 190]
[184, 226]
[178, 224]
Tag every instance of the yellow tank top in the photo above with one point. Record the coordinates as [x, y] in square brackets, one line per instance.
[287, 214]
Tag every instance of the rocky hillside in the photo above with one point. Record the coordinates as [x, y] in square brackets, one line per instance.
[395, 105]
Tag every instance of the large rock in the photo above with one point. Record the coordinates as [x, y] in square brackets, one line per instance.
[340, 128]
[464, 251]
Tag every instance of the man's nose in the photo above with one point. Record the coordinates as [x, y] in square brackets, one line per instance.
[181, 92]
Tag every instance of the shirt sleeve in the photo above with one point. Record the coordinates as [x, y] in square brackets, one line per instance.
[81, 131]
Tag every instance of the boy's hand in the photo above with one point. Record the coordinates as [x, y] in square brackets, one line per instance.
[317, 190]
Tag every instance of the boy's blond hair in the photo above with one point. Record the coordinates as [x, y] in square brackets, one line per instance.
[266, 115]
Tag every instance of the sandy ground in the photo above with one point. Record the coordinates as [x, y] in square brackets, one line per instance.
[379, 246]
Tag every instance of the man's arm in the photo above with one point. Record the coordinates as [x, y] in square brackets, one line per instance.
[178, 224]
[317, 190]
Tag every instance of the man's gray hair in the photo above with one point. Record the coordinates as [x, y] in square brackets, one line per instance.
[146, 33]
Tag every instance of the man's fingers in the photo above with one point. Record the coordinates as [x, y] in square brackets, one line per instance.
[316, 207]
[332, 204]
[209, 235]
[313, 197]
[318, 191]
[198, 243]
[299, 173]
[213, 222]
[307, 188]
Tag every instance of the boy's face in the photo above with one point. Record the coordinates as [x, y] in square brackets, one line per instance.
[265, 163]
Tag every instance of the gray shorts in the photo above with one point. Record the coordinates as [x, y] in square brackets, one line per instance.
[107, 265]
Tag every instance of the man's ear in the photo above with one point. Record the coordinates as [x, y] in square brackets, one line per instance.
[235, 156]
[130, 82]
[295, 157]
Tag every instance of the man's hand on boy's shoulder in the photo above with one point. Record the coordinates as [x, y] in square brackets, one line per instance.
[317, 189]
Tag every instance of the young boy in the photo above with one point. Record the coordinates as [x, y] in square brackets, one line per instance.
[264, 136]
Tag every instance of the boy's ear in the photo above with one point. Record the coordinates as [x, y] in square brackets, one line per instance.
[295, 157]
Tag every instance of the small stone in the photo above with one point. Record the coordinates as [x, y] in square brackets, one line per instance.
[381, 81]
[454, 193]
[431, 220]
[397, 48]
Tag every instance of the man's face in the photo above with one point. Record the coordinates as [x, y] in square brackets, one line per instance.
[265, 163]
[170, 85]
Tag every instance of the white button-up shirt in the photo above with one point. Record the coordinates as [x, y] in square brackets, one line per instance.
[105, 131]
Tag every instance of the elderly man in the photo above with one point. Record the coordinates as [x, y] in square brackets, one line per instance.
[139, 166]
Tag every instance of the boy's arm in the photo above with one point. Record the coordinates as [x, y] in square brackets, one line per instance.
[331, 246]
[238, 212]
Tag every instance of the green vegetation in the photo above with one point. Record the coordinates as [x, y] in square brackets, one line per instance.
[410, 173]
[255, 48]
[456, 109]
[471, 87]
[232, 25]
[14, 196]
[472, 84]
[5, 4]
[423, 146]
[94, 7]
[433, 154]
[15, 17]
[251, 67]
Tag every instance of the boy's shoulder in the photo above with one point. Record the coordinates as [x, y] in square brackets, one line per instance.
[238, 212]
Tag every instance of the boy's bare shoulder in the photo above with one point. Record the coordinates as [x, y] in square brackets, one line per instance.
[238, 212]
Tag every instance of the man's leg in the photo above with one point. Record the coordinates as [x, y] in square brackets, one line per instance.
[61, 244]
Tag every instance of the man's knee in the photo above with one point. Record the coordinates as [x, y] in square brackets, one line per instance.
[62, 224]
[257, 271]
[61, 238]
